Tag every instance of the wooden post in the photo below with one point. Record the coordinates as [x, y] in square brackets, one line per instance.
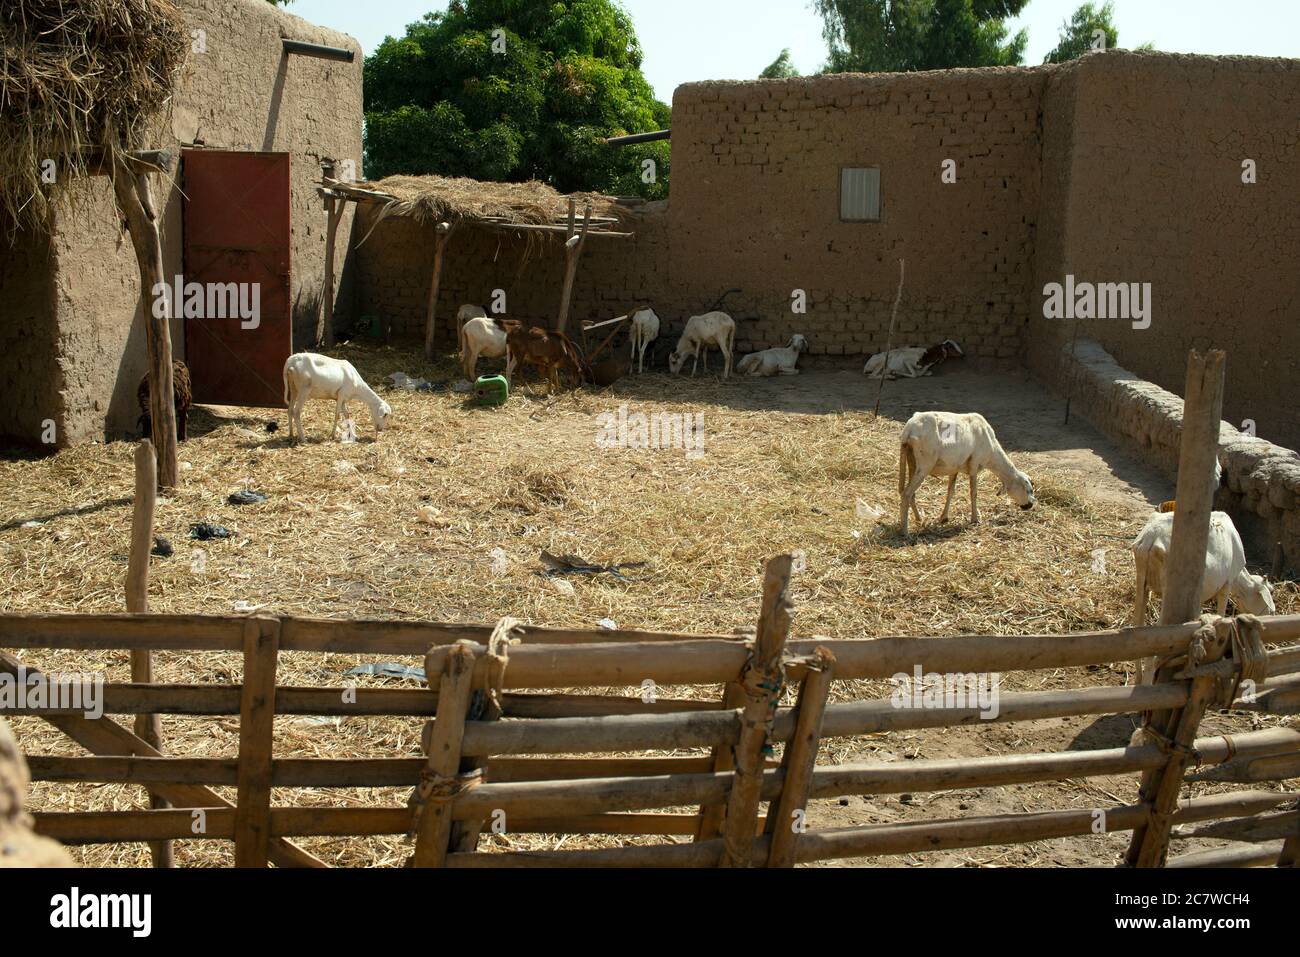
[1202, 415]
[434, 832]
[1184, 572]
[147, 726]
[136, 201]
[256, 727]
[443, 233]
[335, 209]
[762, 681]
[572, 251]
[785, 822]
[709, 823]
[889, 341]
[1290, 856]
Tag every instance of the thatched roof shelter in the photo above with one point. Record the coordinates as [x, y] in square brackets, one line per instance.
[531, 206]
[79, 79]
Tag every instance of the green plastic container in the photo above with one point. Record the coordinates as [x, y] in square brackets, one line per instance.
[491, 390]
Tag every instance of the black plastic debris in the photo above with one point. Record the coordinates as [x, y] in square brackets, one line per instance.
[272, 425]
[388, 669]
[206, 531]
[557, 565]
[246, 497]
[162, 548]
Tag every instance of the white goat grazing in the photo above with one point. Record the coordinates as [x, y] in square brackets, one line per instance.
[774, 361]
[480, 337]
[645, 330]
[951, 443]
[311, 376]
[711, 329]
[1225, 572]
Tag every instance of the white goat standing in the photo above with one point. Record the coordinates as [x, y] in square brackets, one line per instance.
[782, 361]
[951, 443]
[308, 375]
[645, 330]
[1225, 572]
[480, 337]
[712, 328]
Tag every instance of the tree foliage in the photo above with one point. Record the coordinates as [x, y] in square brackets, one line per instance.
[1077, 32]
[900, 35]
[779, 69]
[514, 90]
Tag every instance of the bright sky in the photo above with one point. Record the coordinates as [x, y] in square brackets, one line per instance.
[687, 40]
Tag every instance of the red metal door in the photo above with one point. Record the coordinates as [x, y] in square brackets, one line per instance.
[237, 231]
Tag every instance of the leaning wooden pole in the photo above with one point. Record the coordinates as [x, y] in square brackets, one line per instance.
[762, 679]
[1184, 572]
[135, 198]
[442, 233]
[889, 341]
[440, 781]
[147, 726]
[788, 818]
[572, 253]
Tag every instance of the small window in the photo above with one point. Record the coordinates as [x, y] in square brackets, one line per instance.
[859, 194]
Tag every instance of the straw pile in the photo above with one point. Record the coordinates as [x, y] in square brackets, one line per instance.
[440, 198]
[444, 518]
[78, 75]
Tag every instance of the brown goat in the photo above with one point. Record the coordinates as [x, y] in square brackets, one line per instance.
[549, 351]
[181, 393]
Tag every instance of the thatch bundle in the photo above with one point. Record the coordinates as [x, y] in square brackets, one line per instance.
[453, 198]
[78, 76]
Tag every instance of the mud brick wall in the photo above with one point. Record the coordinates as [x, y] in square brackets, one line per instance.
[1262, 480]
[755, 204]
[395, 263]
[1142, 182]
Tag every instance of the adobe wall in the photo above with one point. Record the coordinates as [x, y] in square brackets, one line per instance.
[1261, 480]
[1142, 183]
[395, 262]
[755, 204]
[28, 391]
[242, 94]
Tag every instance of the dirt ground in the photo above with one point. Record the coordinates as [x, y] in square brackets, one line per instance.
[443, 517]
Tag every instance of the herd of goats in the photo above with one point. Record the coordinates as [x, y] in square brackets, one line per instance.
[941, 444]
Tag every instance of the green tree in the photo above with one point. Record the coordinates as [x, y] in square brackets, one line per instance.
[513, 90]
[899, 35]
[1077, 33]
[779, 69]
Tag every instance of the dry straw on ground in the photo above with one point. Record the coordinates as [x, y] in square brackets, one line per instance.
[444, 518]
[77, 77]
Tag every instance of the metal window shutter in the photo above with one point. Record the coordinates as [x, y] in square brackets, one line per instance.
[860, 194]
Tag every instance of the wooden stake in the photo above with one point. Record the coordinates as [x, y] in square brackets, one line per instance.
[709, 823]
[443, 233]
[572, 251]
[1202, 414]
[256, 727]
[444, 757]
[147, 726]
[136, 201]
[762, 679]
[335, 208]
[1184, 572]
[786, 822]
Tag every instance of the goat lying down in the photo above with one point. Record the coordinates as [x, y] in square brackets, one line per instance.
[952, 444]
[912, 362]
[1225, 573]
[310, 376]
[774, 361]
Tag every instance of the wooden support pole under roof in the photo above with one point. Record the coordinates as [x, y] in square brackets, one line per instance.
[572, 252]
[443, 233]
[135, 199]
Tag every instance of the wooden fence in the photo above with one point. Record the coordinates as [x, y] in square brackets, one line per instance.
[498, 748]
